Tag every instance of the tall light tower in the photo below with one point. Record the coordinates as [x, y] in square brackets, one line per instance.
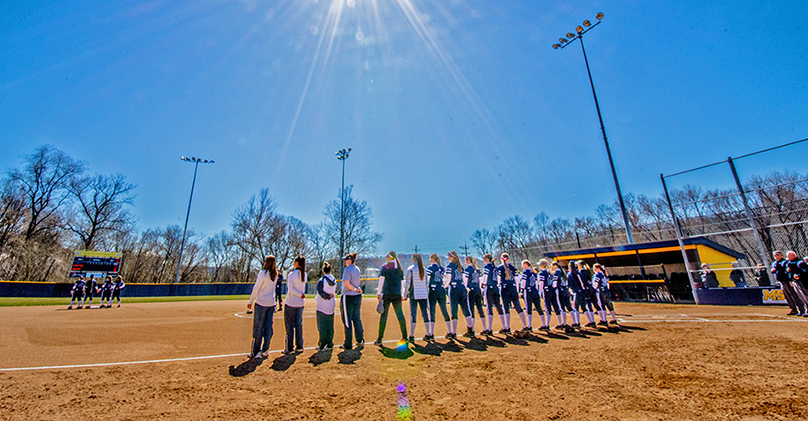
[196, 162]
[563, 43]
[342, 155]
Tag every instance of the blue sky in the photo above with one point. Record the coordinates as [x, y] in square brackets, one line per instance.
[459, 113]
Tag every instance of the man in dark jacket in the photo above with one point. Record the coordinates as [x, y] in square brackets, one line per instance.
[798, 274]
[781, 277]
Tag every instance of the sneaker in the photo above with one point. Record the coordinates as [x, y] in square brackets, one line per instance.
[119, 306]
[347, 347]
[286, 352]
[378, 342]
[591, 325]
[264, 354]
[79, 307]
[559, 327]
[299, 351]
[545, 328]
[251, 356]
[328, 347]
[603, 323]
[411, 339]
[528, 329]
[360, 344]
[70, 308]
[791, 313]
[470, 333]
[569, 329]
[503, 331]
[613, 322]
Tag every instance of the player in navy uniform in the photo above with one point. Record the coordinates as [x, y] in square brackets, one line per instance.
[591, 294]
[578, 297]
[458, 295]
[437, 295]
[472, 278]
[77, 291]
[116, 290]
[106, 292]
[492, 297]
[90, 288]
[530, 293]
[551, 303]
[563, 292]
[797, 271]
[781, 276]
[601, 283]
[510, 295]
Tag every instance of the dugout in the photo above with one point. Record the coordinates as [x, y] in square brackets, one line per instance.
[655, 271]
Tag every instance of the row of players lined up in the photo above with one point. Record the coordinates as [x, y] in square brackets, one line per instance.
[83, 291]
[495, 287]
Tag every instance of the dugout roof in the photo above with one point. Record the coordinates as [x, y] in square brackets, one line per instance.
[653, 253]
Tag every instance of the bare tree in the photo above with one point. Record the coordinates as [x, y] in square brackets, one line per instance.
[12, 214]
[484, 241]
[100, 204]
[257, 228]
[43, 182]
[359, 238]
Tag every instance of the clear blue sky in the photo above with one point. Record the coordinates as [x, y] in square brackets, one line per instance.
[459, 113]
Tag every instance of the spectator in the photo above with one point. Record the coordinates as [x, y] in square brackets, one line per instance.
[798, 274]
[762, 276]
[781, 276]
[736, 276]
[708, 278]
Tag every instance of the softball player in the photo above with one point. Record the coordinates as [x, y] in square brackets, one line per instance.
[530, 293]
[106, 292]
[510, 296]
[90, 288]
[551, 303]
[458, 295]
[472, 278]
[601, 284]
[116, 290]
[417, 292]
[437, 295]
[263, 297]
[591, 294]
[563, 296]
[492, 297]
[578, 297]
[77, 292]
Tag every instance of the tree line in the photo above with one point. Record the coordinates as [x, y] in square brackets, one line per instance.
[52, 206]
[778, 202]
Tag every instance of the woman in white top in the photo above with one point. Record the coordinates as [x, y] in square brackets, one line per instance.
[326, 288]
[293, 310]
[416, 291]
[263, 296]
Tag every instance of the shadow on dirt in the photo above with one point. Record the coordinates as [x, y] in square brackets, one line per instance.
[349, 356]
[283, 362]
[431, 348]
[398, 353]
[320, 357]
[245, 368]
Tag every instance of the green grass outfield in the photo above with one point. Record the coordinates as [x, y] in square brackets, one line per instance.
[64, 301]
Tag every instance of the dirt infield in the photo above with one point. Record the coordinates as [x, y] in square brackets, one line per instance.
[188, 361]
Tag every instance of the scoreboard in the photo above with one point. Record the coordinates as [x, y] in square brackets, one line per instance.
[95, 262]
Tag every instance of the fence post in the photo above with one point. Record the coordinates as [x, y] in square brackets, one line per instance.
[763, 256]
[679, 238]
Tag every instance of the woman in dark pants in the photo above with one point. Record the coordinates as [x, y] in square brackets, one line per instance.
[293, 310]
[263, 297]
[390, 279]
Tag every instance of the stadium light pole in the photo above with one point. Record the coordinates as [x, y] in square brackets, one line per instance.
[196, 162]
[342, 155]
[563, 43]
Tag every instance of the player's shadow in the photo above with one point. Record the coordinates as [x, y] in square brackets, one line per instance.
[510, 339]
[625, 328]
[320, 357]
[554, 335]
[450, 346]
[494, 341]
[611, 329]
[474, 344]
[245, 368]
[349, 356]
[398, 353]
[431, 348]
[588, 333]
[578, 334]
[283, 362]
[537, 339]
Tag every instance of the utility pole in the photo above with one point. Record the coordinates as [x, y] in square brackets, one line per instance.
[416, 249]
[465, 249]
